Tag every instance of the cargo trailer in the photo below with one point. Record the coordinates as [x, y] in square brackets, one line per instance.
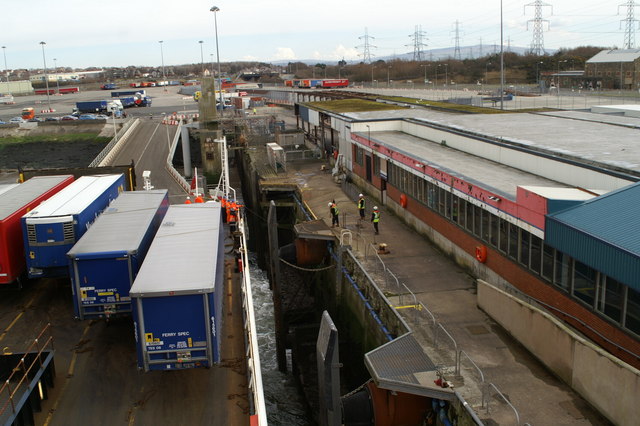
[16, 201]
[50, 230]
[120, 93]
[177, 295]
[105, 261]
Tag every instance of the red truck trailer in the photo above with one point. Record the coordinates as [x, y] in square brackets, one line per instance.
[64, 90]
[15, 203]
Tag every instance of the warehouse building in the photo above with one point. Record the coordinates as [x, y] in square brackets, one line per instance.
[615, 69]
[545, 203]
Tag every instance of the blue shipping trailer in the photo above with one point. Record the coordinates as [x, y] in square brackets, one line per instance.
[51, 229]
[106, 260]
[177, 295]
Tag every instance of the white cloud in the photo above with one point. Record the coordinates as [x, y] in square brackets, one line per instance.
[317, 55]
[284, 53]
[250, 58]
[344, 52]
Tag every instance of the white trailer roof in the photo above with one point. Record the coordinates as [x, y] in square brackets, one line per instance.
[183, 257]
[19, 196]
[123, 225]
[74, 198]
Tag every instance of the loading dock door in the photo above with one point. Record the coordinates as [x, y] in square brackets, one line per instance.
[368, 167]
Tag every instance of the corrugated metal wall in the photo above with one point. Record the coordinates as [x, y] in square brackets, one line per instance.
[594, 252]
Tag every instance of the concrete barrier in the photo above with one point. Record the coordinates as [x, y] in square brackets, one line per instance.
[607, 383]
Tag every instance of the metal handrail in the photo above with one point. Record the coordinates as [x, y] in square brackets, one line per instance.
[347, 233]
[459, 367]
[6, 386]
[507, 401]
[124, 130]
[253, 354]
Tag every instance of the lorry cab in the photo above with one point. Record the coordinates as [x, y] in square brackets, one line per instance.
[28, 113]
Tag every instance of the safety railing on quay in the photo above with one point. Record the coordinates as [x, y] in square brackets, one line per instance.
[448, 352]
[119, 137]
[37, 347]
[251, 334]
[169, 163]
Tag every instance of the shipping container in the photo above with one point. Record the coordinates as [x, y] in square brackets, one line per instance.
[105, 261]
[14, 203]
[177, 295]
[50, 230]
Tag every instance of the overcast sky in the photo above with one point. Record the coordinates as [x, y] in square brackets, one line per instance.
[79, 33]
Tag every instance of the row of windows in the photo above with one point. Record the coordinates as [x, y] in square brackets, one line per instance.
[609, 73]
[616, 301]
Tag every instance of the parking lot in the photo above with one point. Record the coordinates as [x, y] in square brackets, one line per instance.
[165, 99]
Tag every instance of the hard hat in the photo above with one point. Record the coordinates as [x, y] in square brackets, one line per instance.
[360, 195]
[375, 207]
[330, 204]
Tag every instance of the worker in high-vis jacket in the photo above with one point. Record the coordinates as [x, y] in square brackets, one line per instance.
[333, 210]
[375, 218]
[361, 206]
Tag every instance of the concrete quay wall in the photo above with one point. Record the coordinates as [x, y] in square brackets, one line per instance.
[607, 383]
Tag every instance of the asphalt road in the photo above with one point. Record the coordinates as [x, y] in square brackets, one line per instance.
[148, 145]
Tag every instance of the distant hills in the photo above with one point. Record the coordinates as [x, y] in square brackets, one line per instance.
[466, 52]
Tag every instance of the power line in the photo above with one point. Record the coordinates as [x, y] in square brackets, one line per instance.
[537, 44]
[366, 47]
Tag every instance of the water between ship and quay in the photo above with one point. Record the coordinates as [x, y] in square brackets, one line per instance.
[284, 401]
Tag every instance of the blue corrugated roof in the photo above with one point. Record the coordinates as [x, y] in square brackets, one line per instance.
[603, 232]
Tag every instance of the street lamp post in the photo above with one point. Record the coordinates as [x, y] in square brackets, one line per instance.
[46, 76]
[425, 74]
[166, 126]
[538, 73]
[388, 80]
[215, 10]
[6, 70]
[372, 68]
[446, 73]
[486, 72]
[558, 84]
[201, 57]
[162, 59]
[55, 65]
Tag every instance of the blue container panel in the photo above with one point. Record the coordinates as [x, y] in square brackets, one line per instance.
[173, 332]
[49, 250]
[100, 284]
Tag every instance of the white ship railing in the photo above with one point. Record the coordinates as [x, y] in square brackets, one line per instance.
[251, 335]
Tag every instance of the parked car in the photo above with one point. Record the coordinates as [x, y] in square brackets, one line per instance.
[36, 120]
[69, 118]
[102, 117]
[17, 120]
[52, 119]
[2, 122]
[87, 117]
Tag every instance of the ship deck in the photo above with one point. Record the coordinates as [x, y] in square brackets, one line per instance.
[97, 379]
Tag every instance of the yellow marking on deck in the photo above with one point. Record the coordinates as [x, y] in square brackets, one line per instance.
[72, 366]
[418, 307]
[15, 320]
[132, 417]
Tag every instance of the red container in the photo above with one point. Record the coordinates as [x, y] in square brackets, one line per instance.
[15, 203]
